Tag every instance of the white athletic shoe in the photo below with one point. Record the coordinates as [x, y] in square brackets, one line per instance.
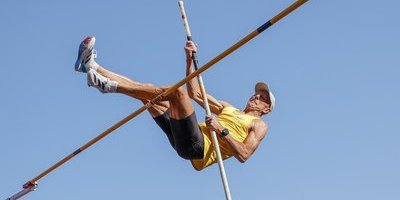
[105, 85]
[86, 55]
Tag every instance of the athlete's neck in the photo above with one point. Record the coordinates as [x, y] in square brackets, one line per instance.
[253, 113]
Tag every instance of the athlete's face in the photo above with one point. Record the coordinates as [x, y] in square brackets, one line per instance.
[260, 101]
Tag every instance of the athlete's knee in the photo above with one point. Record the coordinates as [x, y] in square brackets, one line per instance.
[179, 93]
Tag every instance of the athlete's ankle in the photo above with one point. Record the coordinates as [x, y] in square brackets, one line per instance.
[92, 64]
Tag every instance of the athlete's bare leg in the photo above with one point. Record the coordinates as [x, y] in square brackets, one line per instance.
[178, 101]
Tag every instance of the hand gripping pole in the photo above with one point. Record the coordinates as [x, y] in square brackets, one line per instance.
[206, 105]
[158, 98]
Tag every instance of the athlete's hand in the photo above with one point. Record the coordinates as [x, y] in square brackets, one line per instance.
[213, 124]
[189, 49]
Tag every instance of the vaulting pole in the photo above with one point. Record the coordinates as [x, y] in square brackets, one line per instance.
[206, 106]
[33, 182]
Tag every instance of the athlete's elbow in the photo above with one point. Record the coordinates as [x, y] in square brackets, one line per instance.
[241, 160]
[194, 95]
[191, 94]
[243, 157]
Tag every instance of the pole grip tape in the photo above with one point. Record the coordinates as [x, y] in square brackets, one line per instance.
[77, 152]
[264, 26]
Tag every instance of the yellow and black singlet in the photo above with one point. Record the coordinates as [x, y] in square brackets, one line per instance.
[238, 125]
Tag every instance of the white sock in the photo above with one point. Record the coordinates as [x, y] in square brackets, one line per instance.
[92, 64]
[112, 86]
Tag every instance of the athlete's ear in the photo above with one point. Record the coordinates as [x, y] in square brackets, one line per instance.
[266, 111]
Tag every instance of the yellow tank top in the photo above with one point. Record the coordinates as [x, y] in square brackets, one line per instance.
[238, 125]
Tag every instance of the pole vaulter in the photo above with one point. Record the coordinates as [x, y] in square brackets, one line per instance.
[206, 106]
[31, 185]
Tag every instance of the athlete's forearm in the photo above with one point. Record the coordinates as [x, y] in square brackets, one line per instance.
[192, 85]
[241, 151]
[194, 90]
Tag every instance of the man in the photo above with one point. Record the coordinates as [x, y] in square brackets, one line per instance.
[239, 133]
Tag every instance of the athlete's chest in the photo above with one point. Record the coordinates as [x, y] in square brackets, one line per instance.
[237, 118]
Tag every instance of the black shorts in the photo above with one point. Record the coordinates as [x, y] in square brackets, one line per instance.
[184, 135]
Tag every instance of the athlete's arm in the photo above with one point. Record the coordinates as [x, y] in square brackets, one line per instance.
[193, 86]
[246, 149]
[243, 150]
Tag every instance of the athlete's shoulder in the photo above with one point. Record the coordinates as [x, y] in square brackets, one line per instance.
[260, 124]
[225, 104]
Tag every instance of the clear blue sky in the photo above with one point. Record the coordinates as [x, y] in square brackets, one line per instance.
[333, 65]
